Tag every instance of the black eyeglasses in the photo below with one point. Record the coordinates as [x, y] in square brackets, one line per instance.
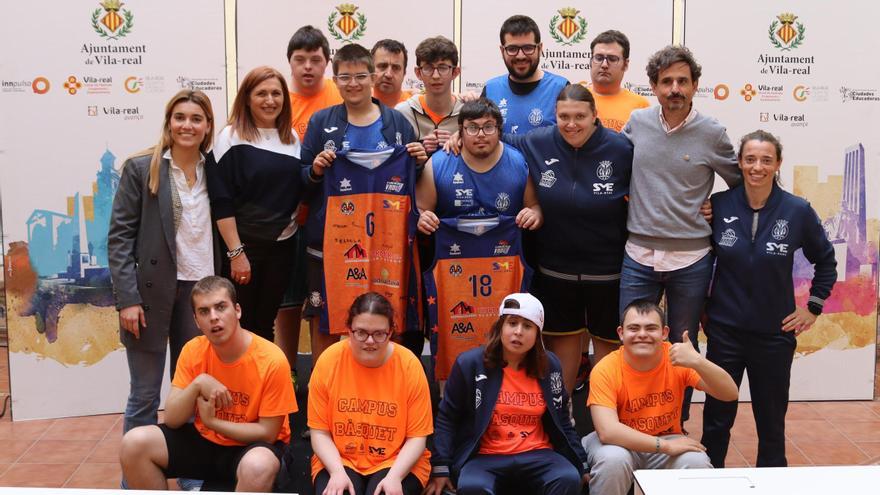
[428, 70]
[362, 336]
[512, 50]
[488, 129]
[600, 59]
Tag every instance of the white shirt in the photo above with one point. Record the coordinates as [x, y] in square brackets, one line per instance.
[194, 239]
[660, 260]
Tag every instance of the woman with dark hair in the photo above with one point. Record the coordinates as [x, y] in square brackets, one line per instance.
[369, 409]
[504, 415]
[757, 229]
[255, 185]
[159, 245]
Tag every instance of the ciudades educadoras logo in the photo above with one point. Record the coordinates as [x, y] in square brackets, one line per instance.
[346, 24]
[571, 29]
[789, 35]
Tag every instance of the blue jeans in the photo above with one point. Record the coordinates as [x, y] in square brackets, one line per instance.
[538, 471]
[686, 290]
[145, 367]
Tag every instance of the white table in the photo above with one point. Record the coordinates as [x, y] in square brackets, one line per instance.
[824, 480]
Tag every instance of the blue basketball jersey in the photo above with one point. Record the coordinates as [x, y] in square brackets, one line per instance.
[523, 113]
[462, 191]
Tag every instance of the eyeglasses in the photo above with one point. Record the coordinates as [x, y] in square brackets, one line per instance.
[600, 59]
[428, 70]
[362, 336]
[488, 129]
[512, 50]
[358, 78]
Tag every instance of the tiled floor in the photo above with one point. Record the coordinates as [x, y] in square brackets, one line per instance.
[82, 452]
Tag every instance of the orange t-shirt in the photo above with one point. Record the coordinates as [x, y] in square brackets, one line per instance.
[404, 95]
[370, 412]
[435, 117]
[614, 110]
[303, 107]
[259, 382]
[516, 425]
[647, 401]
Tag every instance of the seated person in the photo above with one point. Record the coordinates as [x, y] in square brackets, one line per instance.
[635, 399]
[504, 416]
[369, 409]
[237, 385]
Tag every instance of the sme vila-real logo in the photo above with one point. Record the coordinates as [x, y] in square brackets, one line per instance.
[112, 25]
[571, 29]
[789, 35]
[346, 24]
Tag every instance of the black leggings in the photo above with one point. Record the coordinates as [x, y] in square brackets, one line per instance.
[366, 484]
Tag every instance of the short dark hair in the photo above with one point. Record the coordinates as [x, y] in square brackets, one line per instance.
[371, 303]
[391, 46]
[353, 54]
[535, 362]
[516, 25]
[612, 36]
[308, 38]
[480, 108]
[436, 49]
[643, 307]
[210, 284]
[669, 55]
[576, 92]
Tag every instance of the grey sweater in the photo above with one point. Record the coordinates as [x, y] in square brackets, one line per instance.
[671, 177]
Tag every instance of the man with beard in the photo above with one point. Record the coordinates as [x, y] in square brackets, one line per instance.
[526, 96]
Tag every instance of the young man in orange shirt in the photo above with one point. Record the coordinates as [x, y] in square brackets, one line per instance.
[389, 58]
[237, 385]
[609, 62]
[635, 401]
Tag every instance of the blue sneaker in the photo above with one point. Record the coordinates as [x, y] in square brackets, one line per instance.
[189, 485]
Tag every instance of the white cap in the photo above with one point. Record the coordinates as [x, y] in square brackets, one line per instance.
[529, 308]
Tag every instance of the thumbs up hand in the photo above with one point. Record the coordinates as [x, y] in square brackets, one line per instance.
[683, 353]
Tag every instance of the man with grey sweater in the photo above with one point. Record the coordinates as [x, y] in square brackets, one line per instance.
[677, 152]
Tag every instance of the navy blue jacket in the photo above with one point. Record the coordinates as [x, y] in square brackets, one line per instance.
[583, 193]
[326, 130]
[467, 405]
[753, 288]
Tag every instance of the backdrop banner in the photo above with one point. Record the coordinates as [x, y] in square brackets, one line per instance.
[84, 85]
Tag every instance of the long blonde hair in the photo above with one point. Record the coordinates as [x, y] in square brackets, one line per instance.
[241, 120]
[165, 140]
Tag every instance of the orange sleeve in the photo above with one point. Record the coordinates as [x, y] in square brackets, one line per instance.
[419, 422]
[319, 397]
[691, 378]
[603, 387]
[186, 371]
[279, 398]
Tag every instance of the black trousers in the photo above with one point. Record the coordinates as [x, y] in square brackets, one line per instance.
[271, 265]
[767, 358]
[366, 484]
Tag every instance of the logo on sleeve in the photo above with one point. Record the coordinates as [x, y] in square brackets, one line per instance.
[728, 238]
[478, 399]
[556, 382]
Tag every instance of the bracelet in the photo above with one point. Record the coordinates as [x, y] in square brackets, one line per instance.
[235, 253]
[657, 446]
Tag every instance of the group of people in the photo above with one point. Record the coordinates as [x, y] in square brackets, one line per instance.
[613, 198]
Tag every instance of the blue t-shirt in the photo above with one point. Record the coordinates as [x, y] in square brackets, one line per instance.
[462, 191]
[368, 137]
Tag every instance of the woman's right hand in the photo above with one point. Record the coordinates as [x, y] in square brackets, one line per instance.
[339, 483]
[241, 269]
[132, 318]
[437, 485]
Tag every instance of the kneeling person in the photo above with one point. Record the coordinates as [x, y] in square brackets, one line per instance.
[237, 385]
[635, 401]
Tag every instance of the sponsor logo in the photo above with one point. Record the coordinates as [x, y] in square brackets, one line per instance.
[604, 170]
[503, 247]
[550, 161]
[72, 85]
[852, 94]
[777, 249]
[548, 178]
[786, 34]
[112, 25]
[502, 202]
[40, 85]
[387, 204]
[329, 145]
[780, 230]
[377, 451]
[728, 238]
[345, 185]
[456, 270]
[126, 113]
[640, 89]
[462, 310]
[502, 266]
[347, 208]
[92, 110]
[502, 103]
[462, 327]
[395, 184]
[480, 377]
[457, 178]
[346, 24]
[16, 86]
[356, 274]
[385, 279]
[603, 188]
[800, 92]
[721, 92]
[748, 92]
[464, 197]
[570, 29]
[536, 116]
[478, 398]
[315, 299]
[556, 382]
[356, 253]
[764, 117]
[132, 84]
[200, 83]
[398, 138]
[328, 130]
[795, 120]
[730, 219]
[454, 249]
[557, 402]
